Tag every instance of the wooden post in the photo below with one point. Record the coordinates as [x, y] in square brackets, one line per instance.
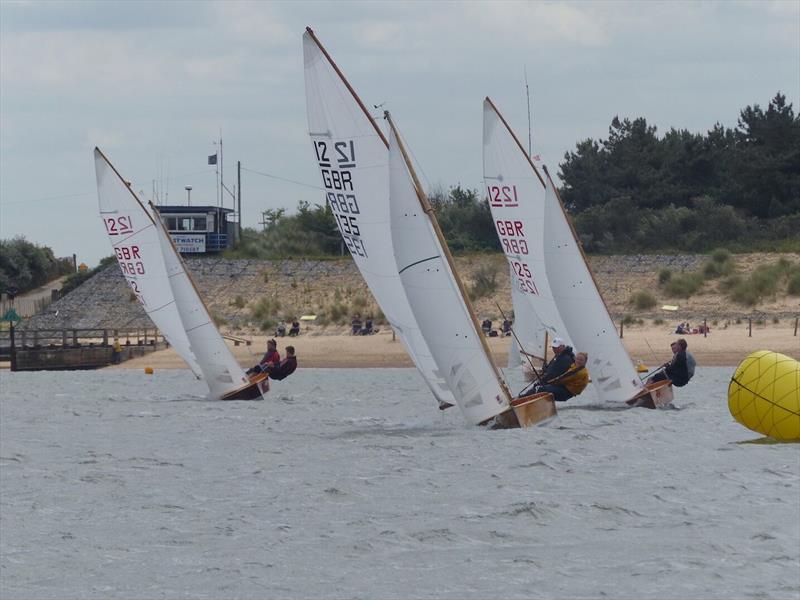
[63, 338]
[12, 347]
[145, 336]
[796, 319]
[750, 327]
[35, 338]
[621, 329]
[75, 337]
[105, 337]
[705, 327]
[24, 338]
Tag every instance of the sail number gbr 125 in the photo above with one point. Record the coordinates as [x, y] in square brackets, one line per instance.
[336, 163]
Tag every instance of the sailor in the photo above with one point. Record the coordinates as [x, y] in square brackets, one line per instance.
[271, 356]
[285, 367]
[570, 383]
[563, 358]
[677, 369]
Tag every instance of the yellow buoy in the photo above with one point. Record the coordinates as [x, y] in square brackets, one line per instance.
[764, 395]
[148, 370]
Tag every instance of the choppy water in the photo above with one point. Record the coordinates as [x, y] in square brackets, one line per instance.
[350, 484]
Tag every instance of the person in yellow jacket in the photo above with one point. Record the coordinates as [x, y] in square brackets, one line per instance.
[572, 382]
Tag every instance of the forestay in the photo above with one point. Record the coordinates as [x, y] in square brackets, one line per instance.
[516, 198]
[352, 156]
[220, 369]
[437, 302]
[582, 308]
[134, 236]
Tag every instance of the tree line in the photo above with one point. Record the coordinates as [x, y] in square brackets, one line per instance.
[26, 266]
[633, 192]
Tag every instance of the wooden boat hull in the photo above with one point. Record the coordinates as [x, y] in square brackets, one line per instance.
[259, 385]
[526, 412]
[654, 395]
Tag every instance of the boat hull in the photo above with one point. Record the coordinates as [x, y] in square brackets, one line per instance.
[654, 395]
[526, 412]
[259, 385]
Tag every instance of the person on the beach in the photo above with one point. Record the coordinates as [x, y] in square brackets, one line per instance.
[570, 383]
[285, 367]
[676, 370]
[271, 356]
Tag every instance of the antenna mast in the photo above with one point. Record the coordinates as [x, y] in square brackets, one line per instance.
[528, 94]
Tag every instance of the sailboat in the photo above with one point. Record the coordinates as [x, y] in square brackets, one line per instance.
[353, 157]
[570, 287]
[516, 195]
[442, 308]
[158, 278]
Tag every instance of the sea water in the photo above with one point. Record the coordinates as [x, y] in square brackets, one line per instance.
[351, 484]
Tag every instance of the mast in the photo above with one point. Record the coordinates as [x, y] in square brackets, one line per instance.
[513, 135]
[347, 85]
[428, 209]
[528, 94]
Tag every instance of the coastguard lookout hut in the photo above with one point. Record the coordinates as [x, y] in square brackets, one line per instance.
[200, 229]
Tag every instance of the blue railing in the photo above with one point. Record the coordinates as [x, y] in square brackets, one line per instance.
[216, 242]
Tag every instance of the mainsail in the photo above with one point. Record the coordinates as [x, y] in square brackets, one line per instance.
[133, 234]
[516, 198]
[222, 372]
[582, 308]
[436, 298]
[352, 155]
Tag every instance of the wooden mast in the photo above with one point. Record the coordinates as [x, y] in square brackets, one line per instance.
[428, 209]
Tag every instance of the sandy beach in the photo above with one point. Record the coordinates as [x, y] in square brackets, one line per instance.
[650, 345]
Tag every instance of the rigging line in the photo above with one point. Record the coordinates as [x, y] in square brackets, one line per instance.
[414, 156]
[764, 398]
[527, 356]
[316, 187]
[419, 262]
[47, 199]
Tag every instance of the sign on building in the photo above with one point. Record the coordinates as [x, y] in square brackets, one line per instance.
[189, 242]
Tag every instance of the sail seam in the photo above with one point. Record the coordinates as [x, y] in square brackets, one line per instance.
[420, 262]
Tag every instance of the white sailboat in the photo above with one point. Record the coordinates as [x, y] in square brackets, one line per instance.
[562, 293]
[158, 278]
[352, 155]
[441, 306]
[516, 195]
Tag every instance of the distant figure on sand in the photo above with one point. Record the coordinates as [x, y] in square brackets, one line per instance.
[486, 326]
[295, 330]
[677, 370]
[355, 325]
[285, 368]
[506, 327]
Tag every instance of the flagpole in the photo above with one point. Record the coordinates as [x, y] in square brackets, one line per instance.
[528, 94]
[221, 173]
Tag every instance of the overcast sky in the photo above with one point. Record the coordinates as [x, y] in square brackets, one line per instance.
[153, 84]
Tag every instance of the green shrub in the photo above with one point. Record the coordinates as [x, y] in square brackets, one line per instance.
[721, 255]
[793, 287]
[664, 275]
[683, 285]
[643, 300]
[337, 313]
[658, 321]
[359, 302]
[238, 302]
[266, 308]
[485, 283]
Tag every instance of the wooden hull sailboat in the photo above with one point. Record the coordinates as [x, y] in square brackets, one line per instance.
[157, 275]
[544, 251]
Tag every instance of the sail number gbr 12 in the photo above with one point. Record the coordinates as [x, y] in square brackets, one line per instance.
[336, 162]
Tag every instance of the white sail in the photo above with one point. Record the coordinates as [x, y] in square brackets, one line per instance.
[529, 334]
[437, 302]
[221, 371]
[134, 236]
[352, 156]
[516, 198]
[582, 308]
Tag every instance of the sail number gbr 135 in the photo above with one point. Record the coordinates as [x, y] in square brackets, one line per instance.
[337, 160]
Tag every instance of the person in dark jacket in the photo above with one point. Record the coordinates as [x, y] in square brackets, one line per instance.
[563, 359]
[676, 370]
[284, 368]
[271, 356]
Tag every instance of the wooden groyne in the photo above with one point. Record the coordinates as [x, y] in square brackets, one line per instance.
[52, 350]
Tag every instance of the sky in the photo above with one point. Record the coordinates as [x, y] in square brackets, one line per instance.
[155, 84]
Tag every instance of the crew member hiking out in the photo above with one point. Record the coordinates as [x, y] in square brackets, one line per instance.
[680, 369]
[285, 367]
[271, 356]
